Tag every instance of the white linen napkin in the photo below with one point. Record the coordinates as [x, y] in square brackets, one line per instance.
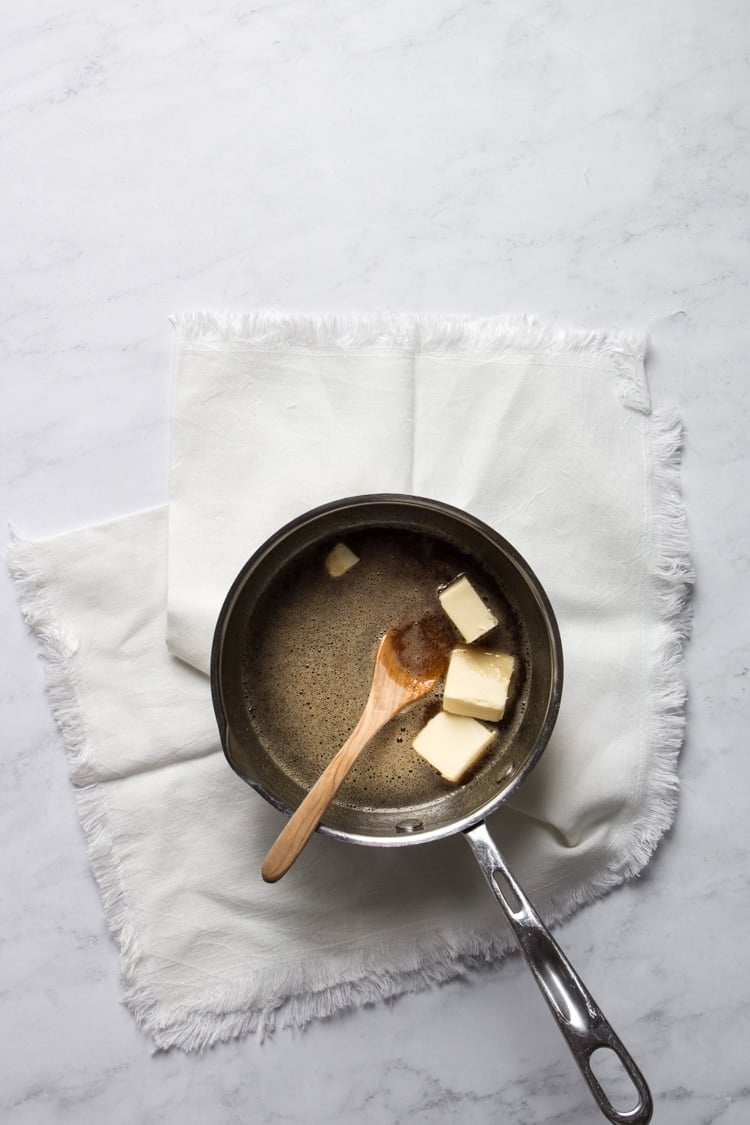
[547, 435]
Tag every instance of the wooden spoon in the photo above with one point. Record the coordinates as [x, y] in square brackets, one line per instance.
[409, 662]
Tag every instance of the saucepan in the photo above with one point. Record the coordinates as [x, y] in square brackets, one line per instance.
[461, 809]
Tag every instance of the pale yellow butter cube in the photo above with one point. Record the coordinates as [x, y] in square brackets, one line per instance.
[477, 682]
[340, 559]
[466, 609]
[452, 744]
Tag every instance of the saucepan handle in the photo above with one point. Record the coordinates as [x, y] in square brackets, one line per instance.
[578, 1016]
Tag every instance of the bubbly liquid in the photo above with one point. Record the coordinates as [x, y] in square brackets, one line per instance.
[311, 651]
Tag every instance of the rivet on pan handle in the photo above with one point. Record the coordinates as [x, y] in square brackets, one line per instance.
[578, 1016]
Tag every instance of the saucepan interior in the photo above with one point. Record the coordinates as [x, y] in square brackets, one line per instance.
[359, 814]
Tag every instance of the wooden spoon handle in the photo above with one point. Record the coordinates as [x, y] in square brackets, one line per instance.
[307, 816]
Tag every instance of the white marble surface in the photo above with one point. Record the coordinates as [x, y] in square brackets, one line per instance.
[586, 162]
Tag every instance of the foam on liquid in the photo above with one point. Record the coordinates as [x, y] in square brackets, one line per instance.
[311, 651]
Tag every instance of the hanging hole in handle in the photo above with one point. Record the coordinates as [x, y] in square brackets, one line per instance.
[610, 1073]
[505, 890]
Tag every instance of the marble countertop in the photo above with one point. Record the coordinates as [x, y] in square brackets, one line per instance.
[585, 163]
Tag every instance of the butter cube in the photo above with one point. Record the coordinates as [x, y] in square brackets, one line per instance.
[452, 744]
[477, 682]
[340, 559]
[466, 609]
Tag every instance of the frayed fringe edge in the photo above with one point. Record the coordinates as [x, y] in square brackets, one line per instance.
[672, 580]
[58, 651]
[427, 335]
[309, 997]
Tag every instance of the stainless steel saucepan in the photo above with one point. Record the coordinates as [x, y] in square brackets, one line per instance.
[463, 809]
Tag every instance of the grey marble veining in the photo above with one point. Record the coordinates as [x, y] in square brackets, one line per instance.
[586, 163]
